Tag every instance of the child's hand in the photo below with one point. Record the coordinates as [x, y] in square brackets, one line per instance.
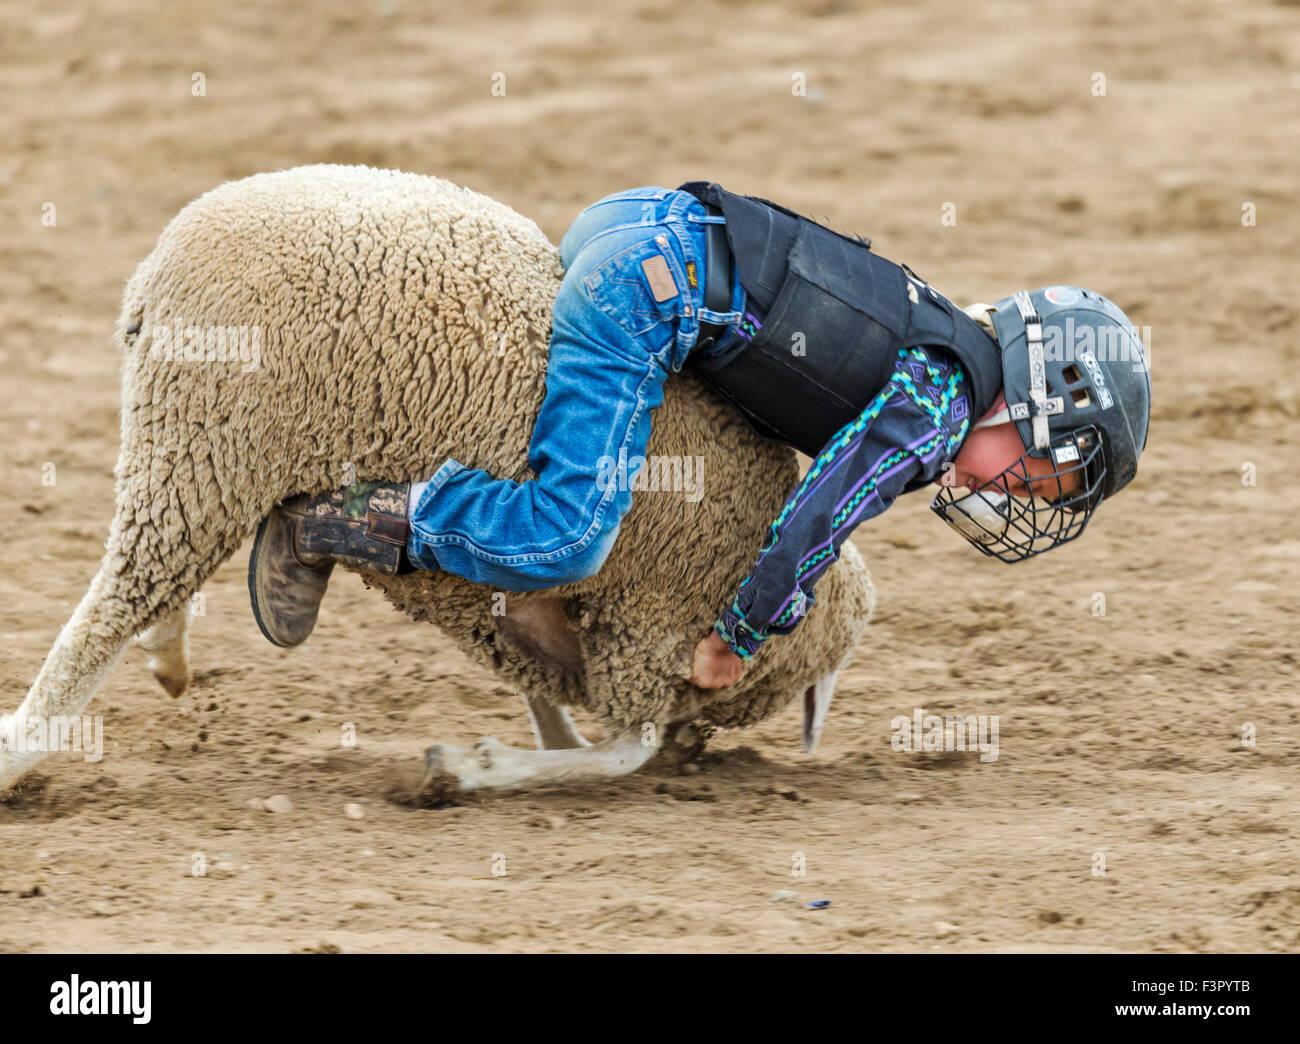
[715, 664]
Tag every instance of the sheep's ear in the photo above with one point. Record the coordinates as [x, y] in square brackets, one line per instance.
[816, 702]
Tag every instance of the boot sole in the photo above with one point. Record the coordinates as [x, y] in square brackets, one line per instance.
[253, 559]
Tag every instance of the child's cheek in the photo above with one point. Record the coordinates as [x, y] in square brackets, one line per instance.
[989, 452]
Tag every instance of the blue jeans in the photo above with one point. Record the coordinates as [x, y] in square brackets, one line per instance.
[618, 330]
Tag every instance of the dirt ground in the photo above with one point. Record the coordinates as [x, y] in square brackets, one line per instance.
[1127, 809]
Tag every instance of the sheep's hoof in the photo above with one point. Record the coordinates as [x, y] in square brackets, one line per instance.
[452, 770]
[440, 785]
[687, 744]
[442, 758]
[175, 684]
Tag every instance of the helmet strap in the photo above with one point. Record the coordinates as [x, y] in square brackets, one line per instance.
[1039, 407]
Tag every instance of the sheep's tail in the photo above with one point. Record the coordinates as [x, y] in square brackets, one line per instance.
[154, 562]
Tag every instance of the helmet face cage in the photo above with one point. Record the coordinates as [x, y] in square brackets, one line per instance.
[1012, 526]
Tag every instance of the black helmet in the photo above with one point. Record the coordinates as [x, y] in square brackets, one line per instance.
[1078, 388]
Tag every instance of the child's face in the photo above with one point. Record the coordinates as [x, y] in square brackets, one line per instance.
[988, 452]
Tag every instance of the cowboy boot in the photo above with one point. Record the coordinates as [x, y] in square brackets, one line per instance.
[298, 543]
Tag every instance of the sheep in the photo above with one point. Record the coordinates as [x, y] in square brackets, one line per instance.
[384, 322]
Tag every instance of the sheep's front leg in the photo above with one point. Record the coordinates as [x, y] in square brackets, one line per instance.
[552, 726]
[491, 765]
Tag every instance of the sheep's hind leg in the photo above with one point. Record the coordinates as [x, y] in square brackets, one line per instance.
[491, 765]
[552, 726]
[145, 591]
[146, 578]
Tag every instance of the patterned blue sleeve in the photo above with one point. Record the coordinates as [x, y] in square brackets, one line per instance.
[908, 431]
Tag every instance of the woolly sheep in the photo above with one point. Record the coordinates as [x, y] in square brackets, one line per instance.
[389, 321]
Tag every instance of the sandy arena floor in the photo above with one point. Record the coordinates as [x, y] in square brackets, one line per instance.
[1121, 736]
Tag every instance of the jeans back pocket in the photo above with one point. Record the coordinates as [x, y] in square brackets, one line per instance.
[636, 288]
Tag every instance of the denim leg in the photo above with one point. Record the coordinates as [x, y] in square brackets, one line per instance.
[612, 344]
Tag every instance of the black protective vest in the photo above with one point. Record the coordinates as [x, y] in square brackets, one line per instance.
[834, 318]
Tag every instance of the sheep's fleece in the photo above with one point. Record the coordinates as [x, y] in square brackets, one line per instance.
[404, 320]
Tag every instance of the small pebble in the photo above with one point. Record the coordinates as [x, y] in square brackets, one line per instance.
[279, 803]
[944, 928]
[818, 904]
[556, 822]
[354, 811]
[782, 895]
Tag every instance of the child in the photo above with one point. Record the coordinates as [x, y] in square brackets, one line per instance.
[818, 342]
